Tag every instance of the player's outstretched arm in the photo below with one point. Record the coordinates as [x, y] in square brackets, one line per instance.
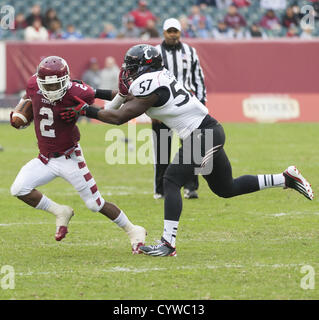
[130, 110]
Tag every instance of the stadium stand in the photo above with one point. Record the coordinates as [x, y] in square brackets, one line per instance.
[90, 16]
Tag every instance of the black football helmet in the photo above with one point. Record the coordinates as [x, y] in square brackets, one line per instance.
[140, 59]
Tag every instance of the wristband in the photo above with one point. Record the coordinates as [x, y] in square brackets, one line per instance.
[92, 112]
[103, 94]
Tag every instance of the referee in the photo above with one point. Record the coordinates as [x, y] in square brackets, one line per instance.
[182, 60]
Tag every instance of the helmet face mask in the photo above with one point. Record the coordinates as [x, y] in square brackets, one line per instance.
[53, 78]
[141, 59]
[131, 68]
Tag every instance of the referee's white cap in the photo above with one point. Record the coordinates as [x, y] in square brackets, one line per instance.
[172, 23]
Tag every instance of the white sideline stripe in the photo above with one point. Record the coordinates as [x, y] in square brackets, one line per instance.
[141, 270]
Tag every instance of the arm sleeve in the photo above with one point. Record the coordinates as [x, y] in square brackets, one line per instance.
[198, 78]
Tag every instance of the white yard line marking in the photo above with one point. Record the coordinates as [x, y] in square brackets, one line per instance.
[279, 214]
[141, 270]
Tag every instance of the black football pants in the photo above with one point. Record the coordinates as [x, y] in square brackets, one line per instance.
[162, 142]
[219, 179]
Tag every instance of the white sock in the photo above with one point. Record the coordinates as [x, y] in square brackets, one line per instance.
[44, 203]
[61, 212]
[271, 180]
[123, 222]
[49, 205]
[170, 231]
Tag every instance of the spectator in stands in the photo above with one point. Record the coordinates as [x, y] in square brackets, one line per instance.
[222, 31]
[109, 74]
[50, 16]
[273, 4]
[255, 31]
[141, 15]
[91, 76]
[233, 19]
[20, 22]
[196, 17]
[307, 32]
[187, 30]
[296, 10]
[290, 18]
[202, 31]
[36, 31]
[35, 15]
[109, 31]
[71, 33]
[292, 32]
[55, 30]
[270, 21]
[242, 3]
[238, 33]
[223, 4]
[150, 31]
[129, 30]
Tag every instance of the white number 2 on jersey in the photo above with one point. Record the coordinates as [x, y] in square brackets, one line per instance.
[47, 122]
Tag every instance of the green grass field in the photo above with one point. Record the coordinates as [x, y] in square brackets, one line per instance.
[248, 247]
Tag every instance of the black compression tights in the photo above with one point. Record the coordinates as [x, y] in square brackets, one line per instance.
[220, 181]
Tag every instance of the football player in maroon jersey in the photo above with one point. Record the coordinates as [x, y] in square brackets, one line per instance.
[60, 154]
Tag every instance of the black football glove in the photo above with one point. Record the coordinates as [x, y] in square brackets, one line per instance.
[70, 114]
[123, 83]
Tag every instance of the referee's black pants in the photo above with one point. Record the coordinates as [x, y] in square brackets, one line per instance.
[220, 179]
[162, 155]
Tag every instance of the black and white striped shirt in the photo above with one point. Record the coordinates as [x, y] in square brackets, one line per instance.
[183, 62]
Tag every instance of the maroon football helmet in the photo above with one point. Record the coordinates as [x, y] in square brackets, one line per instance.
[53, 77]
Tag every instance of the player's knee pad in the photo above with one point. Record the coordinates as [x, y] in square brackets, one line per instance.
[18, 189]
[95, 205]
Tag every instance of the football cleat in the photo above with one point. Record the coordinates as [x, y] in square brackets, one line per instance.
[61, 233]
[137, 237]
[62, 222]
[190, 194]
[163, 249]
[294, 180]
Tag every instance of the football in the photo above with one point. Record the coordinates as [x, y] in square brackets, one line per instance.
[22, 114]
